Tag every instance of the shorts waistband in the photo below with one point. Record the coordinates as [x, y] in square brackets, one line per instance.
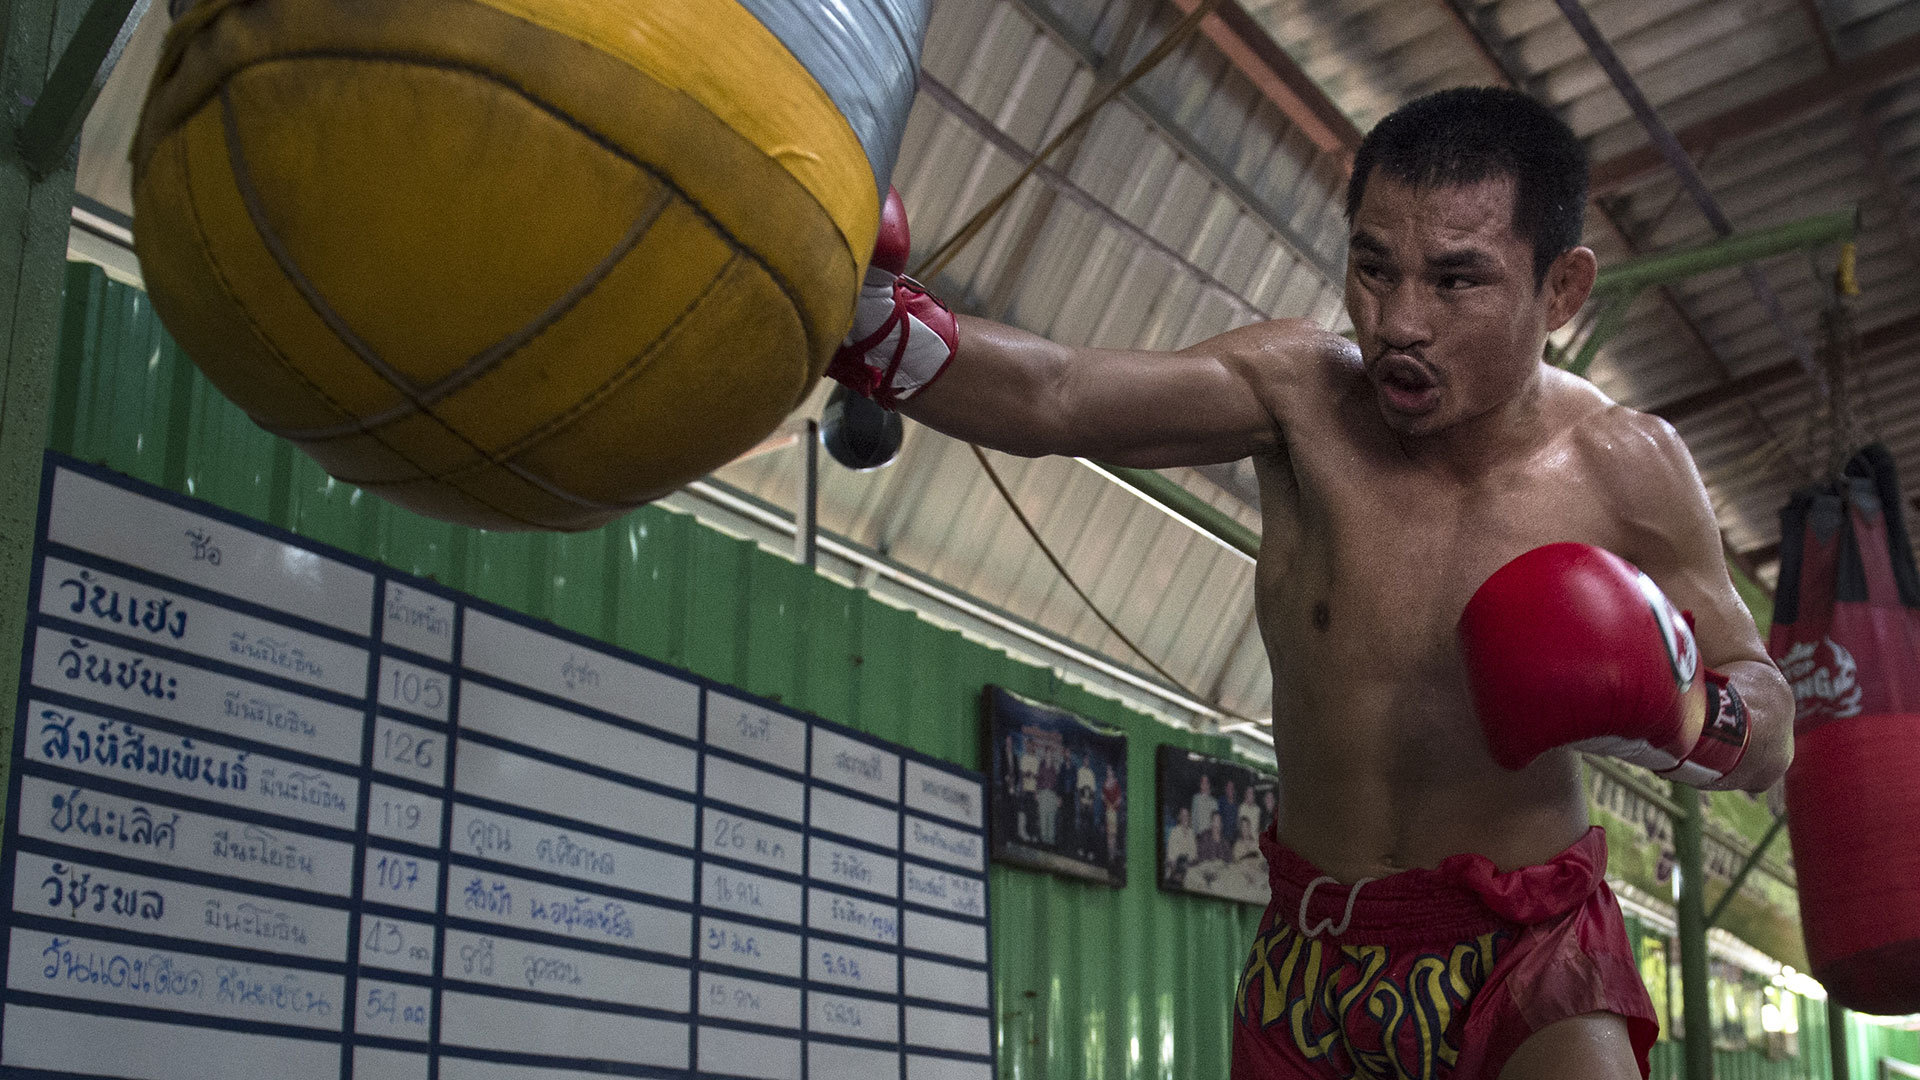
[1463, 896]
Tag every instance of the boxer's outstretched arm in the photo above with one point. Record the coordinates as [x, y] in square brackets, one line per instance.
[1677, 542]
[1215, 401]
[1014, 391]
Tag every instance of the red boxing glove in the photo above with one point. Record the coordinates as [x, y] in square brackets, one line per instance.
[902, 338]
[1570, 645]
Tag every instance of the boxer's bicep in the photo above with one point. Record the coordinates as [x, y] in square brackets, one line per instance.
[1222, 399]
[1676, 540]
[1683, 552]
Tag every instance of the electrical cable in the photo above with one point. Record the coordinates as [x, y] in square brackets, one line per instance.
[947, 250]
[944, 254]
[999, 485]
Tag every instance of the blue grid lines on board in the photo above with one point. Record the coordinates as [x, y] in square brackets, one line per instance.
[253, 951]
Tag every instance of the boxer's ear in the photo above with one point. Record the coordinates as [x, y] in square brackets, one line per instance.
[1570, 279]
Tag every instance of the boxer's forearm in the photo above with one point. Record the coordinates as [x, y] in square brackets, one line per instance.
[1003, 390]
[1018, 392]
[1769, 703]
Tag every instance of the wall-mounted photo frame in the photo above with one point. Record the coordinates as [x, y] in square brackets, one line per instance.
[1211, 814]
[1058, 789]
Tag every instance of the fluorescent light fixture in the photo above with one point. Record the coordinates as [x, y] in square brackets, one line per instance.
[1162, 507]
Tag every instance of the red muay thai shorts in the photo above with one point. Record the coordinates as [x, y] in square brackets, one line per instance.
[1431, 973]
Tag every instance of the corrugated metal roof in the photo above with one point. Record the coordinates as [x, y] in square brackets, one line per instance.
[1697, 63]
[1193, 204]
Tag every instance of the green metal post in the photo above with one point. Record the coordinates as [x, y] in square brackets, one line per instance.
[34, 212]
[1695, 1002]
[1613, 316]
[1618, 285]
[1837, 1040]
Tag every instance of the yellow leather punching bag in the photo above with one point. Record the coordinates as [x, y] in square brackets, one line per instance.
[519, 264]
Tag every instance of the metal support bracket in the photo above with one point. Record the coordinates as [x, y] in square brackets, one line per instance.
[1618, 286]
[1737, 249]
[1184, 504]
[1739, 879]
[53, 124]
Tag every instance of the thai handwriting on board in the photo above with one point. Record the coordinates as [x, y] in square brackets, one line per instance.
[104, 602]
[133, 749]
[201, 548]
[80, 663]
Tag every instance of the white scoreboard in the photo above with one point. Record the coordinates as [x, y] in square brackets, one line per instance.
[278, 812]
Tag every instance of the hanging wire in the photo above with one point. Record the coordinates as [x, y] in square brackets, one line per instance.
[944, 254]
[1020, 515]
[948, 249]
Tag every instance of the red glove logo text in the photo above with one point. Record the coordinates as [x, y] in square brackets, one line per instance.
[1675, 632]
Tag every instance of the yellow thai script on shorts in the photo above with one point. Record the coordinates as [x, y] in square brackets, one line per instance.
[1352, 1006]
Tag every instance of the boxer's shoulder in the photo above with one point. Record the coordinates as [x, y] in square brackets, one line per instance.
[1637, 471]
[1636, 455]
[1285, 358]
[1573, 403]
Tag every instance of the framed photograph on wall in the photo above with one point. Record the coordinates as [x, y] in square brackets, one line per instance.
[1211, 814]
[1058, 789]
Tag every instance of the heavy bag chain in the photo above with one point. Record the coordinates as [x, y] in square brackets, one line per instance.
[1840, 364]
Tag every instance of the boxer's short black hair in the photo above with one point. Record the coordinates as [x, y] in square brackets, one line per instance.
[1469, 134]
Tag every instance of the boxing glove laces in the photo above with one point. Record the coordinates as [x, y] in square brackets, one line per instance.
[1571, 645]
[902, 336]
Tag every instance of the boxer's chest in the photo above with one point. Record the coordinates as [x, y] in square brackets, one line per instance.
[1368, 561]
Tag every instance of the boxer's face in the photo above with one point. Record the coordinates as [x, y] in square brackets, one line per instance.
[1441, 292]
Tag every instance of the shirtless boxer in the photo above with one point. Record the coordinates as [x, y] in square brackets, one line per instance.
[1436, 912]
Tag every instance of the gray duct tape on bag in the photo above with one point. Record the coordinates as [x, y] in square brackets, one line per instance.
[865, 54]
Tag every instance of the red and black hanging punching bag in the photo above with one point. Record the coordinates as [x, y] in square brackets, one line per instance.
[1846, 633]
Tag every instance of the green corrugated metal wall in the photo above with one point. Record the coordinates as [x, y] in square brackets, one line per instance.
[1868, 1043]
[1090, 983]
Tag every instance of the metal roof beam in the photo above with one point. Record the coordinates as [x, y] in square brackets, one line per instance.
[1754, 382]
[1886, 336]
[1248, 46]
[1057, 180]
[52, 125]
[1735, 249]
[1111, 69]
[1866, 136]
[1185, 143]
[1508, 74]
[1859, 76]
[1676, 157]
